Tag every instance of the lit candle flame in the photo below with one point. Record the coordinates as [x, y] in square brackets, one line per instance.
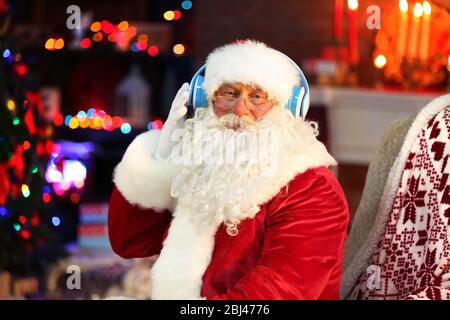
[448, 64]
[418, 10]
[426, 8]
[380, 61]
[403, 4]
[352, 4]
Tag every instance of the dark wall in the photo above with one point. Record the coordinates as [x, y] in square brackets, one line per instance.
[299, 28]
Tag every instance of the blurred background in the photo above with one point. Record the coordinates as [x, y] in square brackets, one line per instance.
[80, 79]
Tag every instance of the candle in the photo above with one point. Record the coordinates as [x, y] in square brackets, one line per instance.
[403, 4]
[425, 36]
[414, 34]
[338, 14]
[353, 31]
[379, 63]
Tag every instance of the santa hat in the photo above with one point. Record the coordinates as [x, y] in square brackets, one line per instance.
[251, 63]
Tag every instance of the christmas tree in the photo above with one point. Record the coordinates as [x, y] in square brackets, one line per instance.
[27, 242]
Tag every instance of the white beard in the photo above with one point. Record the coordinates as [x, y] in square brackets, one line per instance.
[211, 190]
[224, 169]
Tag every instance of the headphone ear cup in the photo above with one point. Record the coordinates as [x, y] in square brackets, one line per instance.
[305, 105]
[294, 104]
[199, 99]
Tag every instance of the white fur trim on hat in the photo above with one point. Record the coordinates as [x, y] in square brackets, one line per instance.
[251, 63]
[143, 180]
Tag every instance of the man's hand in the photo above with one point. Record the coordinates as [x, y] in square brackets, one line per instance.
[174, 120]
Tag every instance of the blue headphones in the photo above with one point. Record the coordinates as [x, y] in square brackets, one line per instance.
[298, 103]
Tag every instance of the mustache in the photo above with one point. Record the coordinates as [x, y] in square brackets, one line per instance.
[232, 121]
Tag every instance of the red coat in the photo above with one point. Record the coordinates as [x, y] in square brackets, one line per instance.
[292, 249]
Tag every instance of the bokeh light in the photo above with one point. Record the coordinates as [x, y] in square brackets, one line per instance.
[56, 221]
[123, 26]
[186, 5]
[85, 43]
[178, 49]
[152, 50]
[96, 26]
[169, 15]
[125, 128]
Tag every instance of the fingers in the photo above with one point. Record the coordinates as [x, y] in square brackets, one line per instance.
[181, 97]
[176, 115]
[184, 89]
[180, 100]
[178, 109]
[179, 113]
[184, 97]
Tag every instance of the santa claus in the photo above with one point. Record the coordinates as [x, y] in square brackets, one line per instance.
[238, 201]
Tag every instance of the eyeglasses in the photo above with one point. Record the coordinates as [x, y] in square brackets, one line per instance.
[251, 102]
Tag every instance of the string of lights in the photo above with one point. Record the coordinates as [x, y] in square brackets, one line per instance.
[125, 35]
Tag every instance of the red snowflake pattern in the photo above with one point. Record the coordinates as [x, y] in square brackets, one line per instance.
[416, 237]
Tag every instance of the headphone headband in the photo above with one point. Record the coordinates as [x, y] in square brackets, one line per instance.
[298, 103]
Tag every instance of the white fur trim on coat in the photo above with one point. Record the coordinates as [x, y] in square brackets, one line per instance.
[251, 63]
[361, 260]
[186, 254]
[143, 180]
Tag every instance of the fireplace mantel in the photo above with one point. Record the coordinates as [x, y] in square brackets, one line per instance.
[357, 118]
